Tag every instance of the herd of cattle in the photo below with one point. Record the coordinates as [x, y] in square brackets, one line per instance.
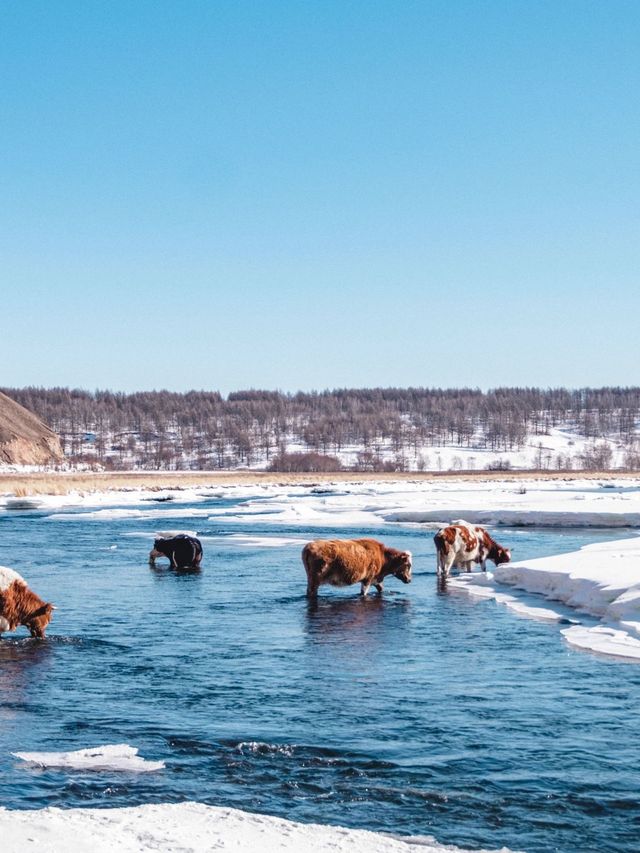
[338, 562]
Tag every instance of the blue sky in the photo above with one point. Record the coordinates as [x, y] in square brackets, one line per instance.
[226, 195]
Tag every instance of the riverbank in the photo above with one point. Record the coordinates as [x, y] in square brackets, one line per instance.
[190, 828]
[21, 483]
[600, 580]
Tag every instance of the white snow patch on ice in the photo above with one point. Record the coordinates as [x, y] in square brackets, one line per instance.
[573, 503]
[191, 828]
[120, 757]
[255, 541]
[603, 640]
[119, 513]
[483, 586]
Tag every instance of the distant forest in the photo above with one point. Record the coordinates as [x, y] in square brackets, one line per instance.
[383, 428]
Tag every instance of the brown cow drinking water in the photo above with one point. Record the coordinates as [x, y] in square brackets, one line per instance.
[20, 606]
[341, 562]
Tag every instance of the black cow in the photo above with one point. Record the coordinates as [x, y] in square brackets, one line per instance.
[184, 552]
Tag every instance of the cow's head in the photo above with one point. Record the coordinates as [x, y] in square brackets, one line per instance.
[500, 555]
[37, 621]
[156, 550]
[402, 566]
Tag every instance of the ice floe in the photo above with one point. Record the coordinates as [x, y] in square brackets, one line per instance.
[256, 541]
[118, 757]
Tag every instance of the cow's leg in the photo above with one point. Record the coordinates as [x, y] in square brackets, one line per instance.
[364, 588]
[313, 582]
[379, 587]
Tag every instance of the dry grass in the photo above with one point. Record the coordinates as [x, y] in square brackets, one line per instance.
[24, 485]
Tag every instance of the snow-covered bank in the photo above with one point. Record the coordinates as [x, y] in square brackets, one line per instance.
[526, 503]
[600, 580]
[187, 827]
[535, 502]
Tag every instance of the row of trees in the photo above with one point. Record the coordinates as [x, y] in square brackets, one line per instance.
[203, 429]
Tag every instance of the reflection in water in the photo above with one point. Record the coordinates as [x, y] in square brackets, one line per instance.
[355, 620]
[21, 663]
[163, 572]
[442, 587]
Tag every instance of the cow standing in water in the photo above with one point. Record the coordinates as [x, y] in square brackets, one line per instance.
[341, 562]
[183, 551]
[461, 544]
[20, 606]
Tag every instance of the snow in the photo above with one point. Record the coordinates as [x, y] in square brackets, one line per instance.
[507, 501]
[190, 828]
[257, 541]
[601, 581]
[549, 503]
[119, 757]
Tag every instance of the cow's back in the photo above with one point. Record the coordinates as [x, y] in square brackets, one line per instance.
[456, 544]
[9, 576]
[186, 549]
[343, 561]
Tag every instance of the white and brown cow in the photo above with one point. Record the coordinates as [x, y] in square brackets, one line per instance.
[462, 544]
[341, 562]
[20, 606]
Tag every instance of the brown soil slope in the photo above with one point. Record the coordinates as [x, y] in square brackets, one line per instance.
[24, 439]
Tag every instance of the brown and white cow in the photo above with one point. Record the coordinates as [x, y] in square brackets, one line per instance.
[20, 606]
[462, 544]
[341, 562]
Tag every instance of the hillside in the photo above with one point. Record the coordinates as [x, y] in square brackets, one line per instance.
[379, 429]
[24, 439]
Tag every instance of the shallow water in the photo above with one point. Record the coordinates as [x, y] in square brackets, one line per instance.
[418, 712]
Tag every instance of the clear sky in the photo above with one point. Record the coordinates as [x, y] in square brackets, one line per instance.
[298, 195]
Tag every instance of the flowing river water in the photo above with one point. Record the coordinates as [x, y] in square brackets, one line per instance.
[418, 712]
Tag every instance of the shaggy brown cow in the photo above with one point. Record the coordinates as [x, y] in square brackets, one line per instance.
[341, 562]
[462, 544]
[20, 606]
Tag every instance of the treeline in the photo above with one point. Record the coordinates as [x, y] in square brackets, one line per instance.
[198, 429]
